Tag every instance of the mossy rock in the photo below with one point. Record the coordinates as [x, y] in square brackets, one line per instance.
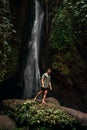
[35, 113]
[32, 112]
[6, 123]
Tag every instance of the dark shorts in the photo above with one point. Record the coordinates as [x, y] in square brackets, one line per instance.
[42, 88]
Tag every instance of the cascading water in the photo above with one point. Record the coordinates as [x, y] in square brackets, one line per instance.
[32, 73]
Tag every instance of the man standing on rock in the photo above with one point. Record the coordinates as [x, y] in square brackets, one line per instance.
[45, 85]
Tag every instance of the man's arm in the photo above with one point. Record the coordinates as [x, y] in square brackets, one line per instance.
[42, 82]
[50, 85]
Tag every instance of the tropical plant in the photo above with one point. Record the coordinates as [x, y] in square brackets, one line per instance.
[29, 113]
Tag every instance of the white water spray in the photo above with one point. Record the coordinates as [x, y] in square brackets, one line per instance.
[32, 73]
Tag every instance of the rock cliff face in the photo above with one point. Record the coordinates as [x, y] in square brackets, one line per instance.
[68, 53]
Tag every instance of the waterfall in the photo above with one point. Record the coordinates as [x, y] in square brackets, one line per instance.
[32, 73]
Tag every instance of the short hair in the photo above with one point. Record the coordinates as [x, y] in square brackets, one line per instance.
[48, 69]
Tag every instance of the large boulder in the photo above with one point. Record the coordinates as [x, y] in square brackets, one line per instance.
[81, 117]
[15, 108]
[6, 123]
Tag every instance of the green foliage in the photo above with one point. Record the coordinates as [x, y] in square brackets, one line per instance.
[6, 35]
[78, 14]
[31, 114]
[61, 41]
[61, 36]
[68, 35]
[78, 10]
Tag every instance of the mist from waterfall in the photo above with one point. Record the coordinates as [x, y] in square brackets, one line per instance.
[32, 73]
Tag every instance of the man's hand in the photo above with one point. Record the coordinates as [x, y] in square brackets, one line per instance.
[50, 85]
[50, 88]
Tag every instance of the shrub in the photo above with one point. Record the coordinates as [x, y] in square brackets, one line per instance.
[30, 113]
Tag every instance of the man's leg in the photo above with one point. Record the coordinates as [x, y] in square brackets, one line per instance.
[44, 96]
[39, 93]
